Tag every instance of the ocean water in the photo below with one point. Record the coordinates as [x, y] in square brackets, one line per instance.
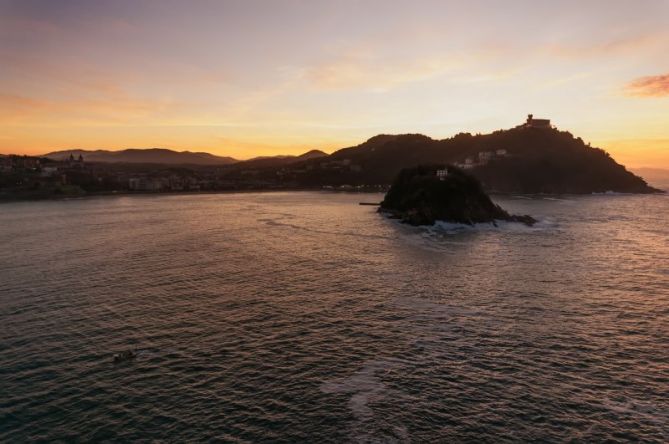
[304, 317]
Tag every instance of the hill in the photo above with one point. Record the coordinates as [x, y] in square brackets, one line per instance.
[518, 160]
[313, 154]
[276, 161]
[151, 155]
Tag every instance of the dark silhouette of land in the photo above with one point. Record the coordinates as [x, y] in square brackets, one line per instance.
[532, 158]
[519, 160]
[279, 161]
[150, 155]
[425, 194]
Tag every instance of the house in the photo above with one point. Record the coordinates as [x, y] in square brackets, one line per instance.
[135, 183]
[6, 164]
[48, 171]
[485, 156]
[75, 162]
[147, 184]
[537, 123]
[441, 174]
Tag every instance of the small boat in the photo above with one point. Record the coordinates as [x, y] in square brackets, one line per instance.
[126, 355]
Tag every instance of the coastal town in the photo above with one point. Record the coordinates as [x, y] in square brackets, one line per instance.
[31, 177]
[37, 177]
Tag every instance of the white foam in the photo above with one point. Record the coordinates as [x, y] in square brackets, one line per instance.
[364, 385]
[454, 228]
[442, 236]
[557, 199]
[611, 193]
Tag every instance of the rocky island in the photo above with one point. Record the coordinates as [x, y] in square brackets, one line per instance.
[425, 194]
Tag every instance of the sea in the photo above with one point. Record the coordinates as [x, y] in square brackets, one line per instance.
[306, 317]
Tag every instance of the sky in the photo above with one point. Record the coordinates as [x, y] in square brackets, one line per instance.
[247, 78]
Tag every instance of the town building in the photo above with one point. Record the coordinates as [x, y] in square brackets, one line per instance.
[485, 156]
[6, 164]
[537, 123]
[482, 158]
[48, 171]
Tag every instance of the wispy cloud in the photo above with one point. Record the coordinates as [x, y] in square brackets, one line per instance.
[369, 72]
[614, 46]
[649, 86]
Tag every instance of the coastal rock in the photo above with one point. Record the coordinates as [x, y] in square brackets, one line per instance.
[425, 194]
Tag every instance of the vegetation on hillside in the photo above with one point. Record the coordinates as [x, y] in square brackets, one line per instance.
[418, 196]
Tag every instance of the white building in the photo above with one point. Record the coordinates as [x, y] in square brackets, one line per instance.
[485, 156]
[537, 123]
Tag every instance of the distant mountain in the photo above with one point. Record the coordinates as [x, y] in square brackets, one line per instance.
[518, 160]
[656, 177]
[277, 161]
[313, 154]
[151, 155]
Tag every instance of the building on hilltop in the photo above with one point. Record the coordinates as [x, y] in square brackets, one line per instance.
[485, 156]
[75, 162]
[442, 174]
[537, 123]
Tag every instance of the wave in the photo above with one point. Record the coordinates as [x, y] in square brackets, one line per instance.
[441, 227]
[612, 193]
[366, 388]
[557, 199]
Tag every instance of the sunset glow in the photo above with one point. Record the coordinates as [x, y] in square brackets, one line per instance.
[249, 78]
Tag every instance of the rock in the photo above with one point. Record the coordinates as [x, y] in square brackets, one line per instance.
[425, 194]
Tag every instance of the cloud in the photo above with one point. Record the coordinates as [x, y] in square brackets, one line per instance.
[650, 86]
[366, 72]
[587, 48]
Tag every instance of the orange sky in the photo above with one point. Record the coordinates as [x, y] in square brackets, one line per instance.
[248, 78]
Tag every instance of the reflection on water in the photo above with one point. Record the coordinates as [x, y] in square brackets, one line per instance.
[306, 317]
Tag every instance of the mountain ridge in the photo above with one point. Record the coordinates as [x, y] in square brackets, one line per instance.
[144, 155]
[523, 159]
[280, 160]
[168, 156]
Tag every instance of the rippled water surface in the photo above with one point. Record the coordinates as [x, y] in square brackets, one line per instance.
[290, 317]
